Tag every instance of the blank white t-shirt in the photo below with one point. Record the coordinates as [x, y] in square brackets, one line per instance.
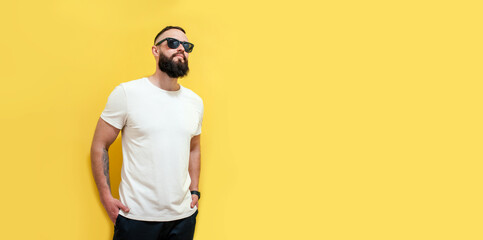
[157, 127]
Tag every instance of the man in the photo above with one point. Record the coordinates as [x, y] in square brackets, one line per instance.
[161, 125]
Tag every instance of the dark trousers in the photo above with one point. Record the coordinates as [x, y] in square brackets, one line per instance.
[130, 229]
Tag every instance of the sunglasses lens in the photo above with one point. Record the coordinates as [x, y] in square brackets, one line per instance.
[188, 47]
[173, 43]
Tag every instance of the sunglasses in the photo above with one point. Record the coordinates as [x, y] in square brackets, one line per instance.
[174, 43]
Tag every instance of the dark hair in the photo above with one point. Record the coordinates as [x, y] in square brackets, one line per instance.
[167, 28]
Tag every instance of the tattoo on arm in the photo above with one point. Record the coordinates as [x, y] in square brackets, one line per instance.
[105, 165]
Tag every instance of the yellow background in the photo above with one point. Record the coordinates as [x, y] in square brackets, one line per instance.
[323, 119]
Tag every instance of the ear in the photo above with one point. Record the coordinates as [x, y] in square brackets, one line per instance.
[155, 51]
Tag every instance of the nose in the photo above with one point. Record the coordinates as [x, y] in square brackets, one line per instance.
[180, 48]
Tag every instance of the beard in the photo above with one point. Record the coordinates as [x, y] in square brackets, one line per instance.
[173, 69]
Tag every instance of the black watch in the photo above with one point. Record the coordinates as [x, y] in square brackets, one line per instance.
[197, 193]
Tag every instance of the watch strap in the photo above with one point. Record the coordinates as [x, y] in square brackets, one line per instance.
[197, 193]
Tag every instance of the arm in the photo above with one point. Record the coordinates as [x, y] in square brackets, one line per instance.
[104, 136]
[195, 166]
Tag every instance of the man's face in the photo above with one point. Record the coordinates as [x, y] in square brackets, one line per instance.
[174, 62]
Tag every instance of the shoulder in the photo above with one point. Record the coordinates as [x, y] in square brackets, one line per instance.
[132, 83]
[193, 96]
[132, 88]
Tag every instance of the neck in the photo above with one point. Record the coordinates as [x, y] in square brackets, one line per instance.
[163, 81]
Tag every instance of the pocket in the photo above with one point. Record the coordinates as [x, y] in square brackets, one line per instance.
[116, 223]
[193, 217]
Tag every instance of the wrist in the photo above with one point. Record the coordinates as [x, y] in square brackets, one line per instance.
[105, 196]
[196, 193]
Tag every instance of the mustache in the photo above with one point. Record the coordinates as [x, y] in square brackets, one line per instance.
[176, 54]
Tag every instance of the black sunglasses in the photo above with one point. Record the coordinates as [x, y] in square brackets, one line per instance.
[174, 43]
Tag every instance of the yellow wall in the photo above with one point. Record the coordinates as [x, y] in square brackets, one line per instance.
[323, 119]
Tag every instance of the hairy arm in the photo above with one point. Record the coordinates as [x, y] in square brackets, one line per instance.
[104, 136]
[100, 170]
[195, 162]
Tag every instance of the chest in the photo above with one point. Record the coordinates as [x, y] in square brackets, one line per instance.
[152, 116]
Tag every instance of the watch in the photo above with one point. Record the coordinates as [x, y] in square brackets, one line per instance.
[197, 193]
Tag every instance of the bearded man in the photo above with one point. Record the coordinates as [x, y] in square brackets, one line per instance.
[161, 125]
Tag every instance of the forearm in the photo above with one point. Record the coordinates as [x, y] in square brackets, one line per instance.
[194, 169]
[100, 170]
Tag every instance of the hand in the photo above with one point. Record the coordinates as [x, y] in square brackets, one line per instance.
[194, 200]
[112, 207]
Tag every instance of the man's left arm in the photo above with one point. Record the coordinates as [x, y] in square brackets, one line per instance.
[194, 167]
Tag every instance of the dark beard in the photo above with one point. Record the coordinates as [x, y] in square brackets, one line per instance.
[173, 69]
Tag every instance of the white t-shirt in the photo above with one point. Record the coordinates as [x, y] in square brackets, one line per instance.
[157, 127]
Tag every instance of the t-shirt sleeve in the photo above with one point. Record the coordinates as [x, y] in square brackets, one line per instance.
[115, 112]
[200, 121]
